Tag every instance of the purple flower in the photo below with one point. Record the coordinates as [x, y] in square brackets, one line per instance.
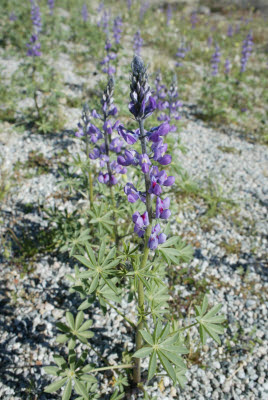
[169, 14]
[12, 17]
[129, 136]
[162, 208]
[227, 67]
[156, 237]
[34, 47]
[194, 19]
[131, 192]
[137, 43]
[230, 31]
[116, 145]
[117, 29]
[145, 163]
[84, 12]
[215, 60]
[36, 17]
[145, 5]
[246, 51]
[131, 157]
[141, 222]
[51, 5]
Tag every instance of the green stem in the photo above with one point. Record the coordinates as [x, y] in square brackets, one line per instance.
[35, 93]
[137, 368]
[98, 354]
[120, 313]
[90, 180]
[188, 327]
[121, 366]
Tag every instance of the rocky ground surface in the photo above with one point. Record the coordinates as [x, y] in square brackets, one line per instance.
[229, 261]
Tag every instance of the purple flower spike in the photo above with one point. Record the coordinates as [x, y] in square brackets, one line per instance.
[131, 192]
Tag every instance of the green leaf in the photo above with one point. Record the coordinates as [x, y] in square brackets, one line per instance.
[91, 254]
[78, 320]
[59, 360]
[147, 337]
[51, 370]
[94, 284]
[80, 388]
[53, 387]
[167, 365]
[157, 331]
[102, 251]
[143, 352]
[62, 338]
[67, 391]
[84, 261]
[86, 325]
[152, 366]
[62, 327]
[177, 360]
[70, 319]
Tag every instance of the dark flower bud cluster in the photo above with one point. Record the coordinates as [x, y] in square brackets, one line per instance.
[34, 44]
[137, 43]
[246, 51]
[101, 140]
[141, 106]
[215, 60]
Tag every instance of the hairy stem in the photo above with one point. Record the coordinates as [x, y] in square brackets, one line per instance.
[121, 366]
[137, 368]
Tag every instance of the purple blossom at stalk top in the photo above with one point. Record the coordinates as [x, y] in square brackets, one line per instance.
[34, 47]
[169, 14]
[246, 51]
[145, 5]
[36, 16]
[129, 4]
[227, 67]
[51, 5]
[84, 12]
[153, 154]
[117, 29]
[230, 31]
[172, 105]
[160, 91]
[102, 144]
[105, 22]
[12, 17]
[181, 53]
[215, 60]
[106, 61]
[210, 41]
[194, 19]
[137, 43]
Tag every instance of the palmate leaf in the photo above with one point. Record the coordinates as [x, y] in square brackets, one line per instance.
[102, 219]
[164, 346]
[76, 330]
[72, 371]
[209, 324]
[103, 268]
[181, 253]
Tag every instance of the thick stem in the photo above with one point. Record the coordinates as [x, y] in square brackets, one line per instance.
[137, 368]
[121, 366]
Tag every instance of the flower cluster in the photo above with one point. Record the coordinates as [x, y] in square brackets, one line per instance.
[145, 5]
[169, 14]
[34, 44]
[230, 31]
[137, 43]
[215, 60]
[227, 67]
[142, 105]
[117, 29]
[194, 19]
[172, 104]
[160, 91]
[102, 143]
[110, 55]
[104, 22]
[246, 51]
[129, 4]
[51, 5]
[181, 53]
[84, 12]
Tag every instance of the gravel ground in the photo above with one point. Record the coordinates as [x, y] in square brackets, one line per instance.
[31, 304]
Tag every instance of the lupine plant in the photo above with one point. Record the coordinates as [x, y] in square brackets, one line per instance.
[137, 42]
[246, 51]
[134, 269]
